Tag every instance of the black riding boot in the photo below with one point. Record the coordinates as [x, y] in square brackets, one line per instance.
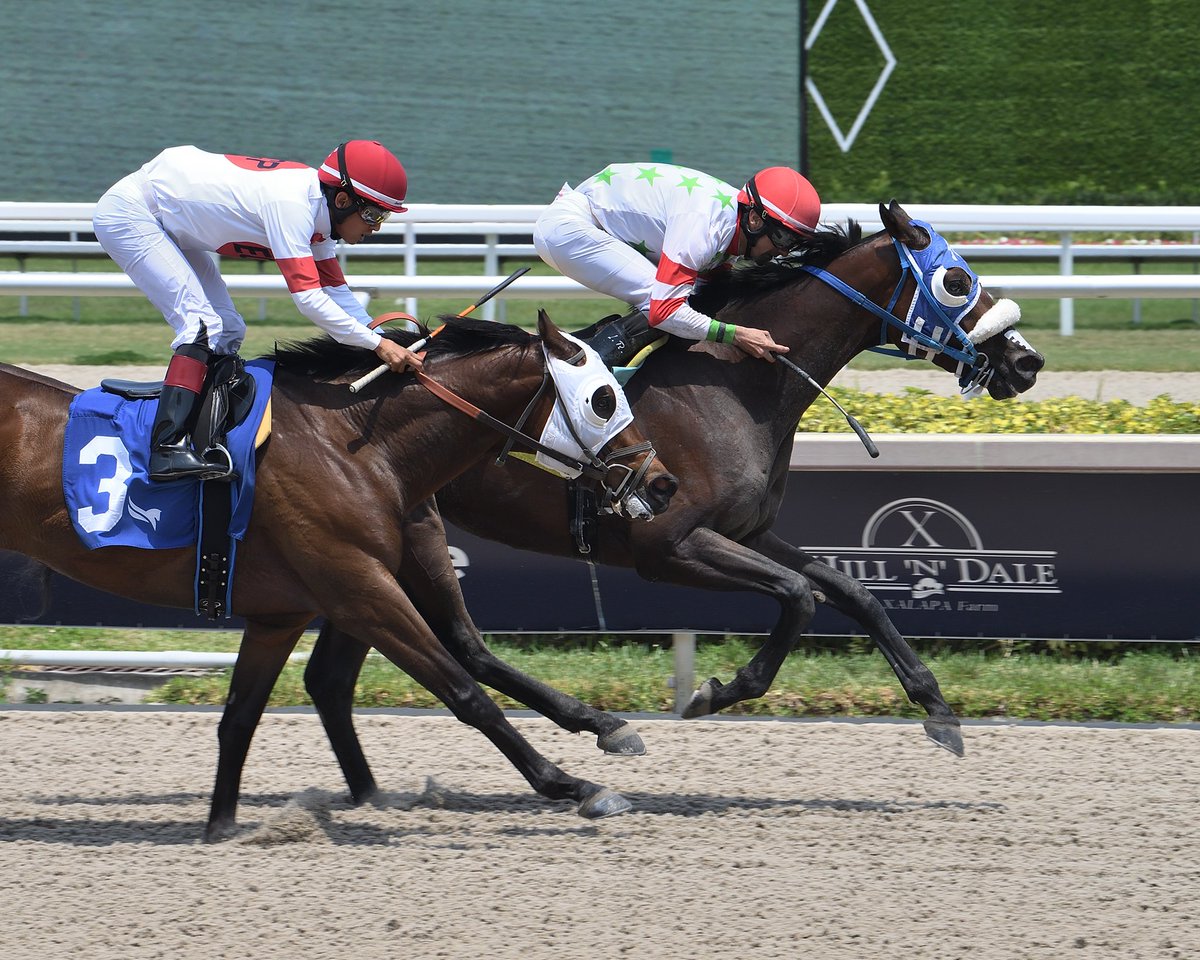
[171, 453]
[619, 340]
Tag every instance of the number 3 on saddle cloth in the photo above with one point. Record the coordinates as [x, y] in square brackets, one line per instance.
[113, 502]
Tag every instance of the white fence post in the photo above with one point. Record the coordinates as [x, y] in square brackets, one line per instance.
[491, 266]
[410, 265]
[683, 646]
[1066, 308]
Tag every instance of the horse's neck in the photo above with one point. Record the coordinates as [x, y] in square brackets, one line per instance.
[446, 441]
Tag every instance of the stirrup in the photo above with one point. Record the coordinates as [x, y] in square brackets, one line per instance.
[177, 461]
[226, 468]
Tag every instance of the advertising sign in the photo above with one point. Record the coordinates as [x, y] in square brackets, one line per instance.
[970, 554]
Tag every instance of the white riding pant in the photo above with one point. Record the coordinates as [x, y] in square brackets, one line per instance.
[568, 239]
[185, 285]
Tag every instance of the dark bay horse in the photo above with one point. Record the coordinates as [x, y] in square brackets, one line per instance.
[327, 533]
[727, 423]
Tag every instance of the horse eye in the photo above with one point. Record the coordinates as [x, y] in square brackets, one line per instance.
[604, 402]
[957, 282]
[951, 287]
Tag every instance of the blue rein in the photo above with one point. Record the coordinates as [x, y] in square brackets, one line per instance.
[964, 351]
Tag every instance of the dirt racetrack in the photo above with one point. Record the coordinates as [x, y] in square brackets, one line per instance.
[747, 839]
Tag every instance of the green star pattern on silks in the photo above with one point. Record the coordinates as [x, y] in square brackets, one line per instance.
[641, 248]
[606, 175]
[689, 183]
[648, 174]
[726, 199]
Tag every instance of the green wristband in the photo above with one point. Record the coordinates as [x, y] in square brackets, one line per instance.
[720, 332]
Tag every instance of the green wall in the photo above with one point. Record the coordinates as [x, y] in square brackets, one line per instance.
[1013, 101]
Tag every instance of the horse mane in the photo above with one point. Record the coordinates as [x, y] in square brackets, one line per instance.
[324, 359]
[749, 280]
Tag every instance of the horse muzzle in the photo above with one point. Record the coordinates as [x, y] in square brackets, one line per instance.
[652, 499]
[640, 494]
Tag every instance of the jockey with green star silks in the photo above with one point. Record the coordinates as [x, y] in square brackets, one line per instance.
[646, 233]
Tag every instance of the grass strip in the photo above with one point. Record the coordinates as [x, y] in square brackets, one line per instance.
[1126, 683]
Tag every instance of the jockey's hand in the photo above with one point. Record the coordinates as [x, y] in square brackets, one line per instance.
[757, 343]
[398, 358]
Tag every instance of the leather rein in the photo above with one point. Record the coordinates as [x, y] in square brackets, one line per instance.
[593, 468]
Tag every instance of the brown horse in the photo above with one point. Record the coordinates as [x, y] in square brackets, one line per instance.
[334, 482]
[729, 422]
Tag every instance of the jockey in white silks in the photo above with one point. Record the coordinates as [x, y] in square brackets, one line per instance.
[161, 223]
[646, 233]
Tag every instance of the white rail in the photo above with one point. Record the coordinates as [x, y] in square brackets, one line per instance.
[491, 222]
[12, 283]
[949, 217]
[183, 659]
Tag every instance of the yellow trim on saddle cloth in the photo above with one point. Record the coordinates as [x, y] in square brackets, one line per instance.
[264, 426]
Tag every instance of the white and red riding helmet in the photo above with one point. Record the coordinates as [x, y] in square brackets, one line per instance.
[369, 170]
[784, 195]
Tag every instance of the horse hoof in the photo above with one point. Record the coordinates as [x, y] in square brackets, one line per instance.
[360, 796]
[604, 803]
[623, 741]
[217, 832]
[701, 703]
[947, 734]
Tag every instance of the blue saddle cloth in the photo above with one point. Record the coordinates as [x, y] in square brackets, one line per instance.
[110, 497]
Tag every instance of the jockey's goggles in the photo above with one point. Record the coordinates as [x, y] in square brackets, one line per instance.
[782, 237]
[371, 213]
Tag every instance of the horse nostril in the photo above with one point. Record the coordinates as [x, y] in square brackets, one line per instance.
[1029, 364]
[665, 485]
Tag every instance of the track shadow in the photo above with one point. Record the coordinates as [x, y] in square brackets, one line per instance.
[273, 819]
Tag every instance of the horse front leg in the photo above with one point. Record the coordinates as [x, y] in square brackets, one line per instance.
[264, 651]
[375, 609]
[428, 577]
[849, 596]
[706, 559]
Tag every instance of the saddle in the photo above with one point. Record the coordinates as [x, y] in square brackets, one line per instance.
[228, 398]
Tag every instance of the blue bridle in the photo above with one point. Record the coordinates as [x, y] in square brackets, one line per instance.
[932, 319]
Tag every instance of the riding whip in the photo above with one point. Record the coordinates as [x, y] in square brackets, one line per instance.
[420, 344]
[854, 424]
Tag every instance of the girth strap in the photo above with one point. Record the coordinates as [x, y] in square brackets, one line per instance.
[215, 550]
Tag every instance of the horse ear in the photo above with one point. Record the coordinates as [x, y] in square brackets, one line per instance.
[558, 345]
[899, 224]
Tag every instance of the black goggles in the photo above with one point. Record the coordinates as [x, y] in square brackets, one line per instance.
[372, 213]
[783, 238]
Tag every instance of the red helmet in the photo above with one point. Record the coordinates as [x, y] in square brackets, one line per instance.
[368, 170]
[786, 196]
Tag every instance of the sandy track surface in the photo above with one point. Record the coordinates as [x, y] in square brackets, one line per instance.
[748, 839]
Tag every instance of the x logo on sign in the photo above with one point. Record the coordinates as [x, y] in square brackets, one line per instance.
[919, 528]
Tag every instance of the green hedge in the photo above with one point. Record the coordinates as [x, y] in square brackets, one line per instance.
[919, 411]
[1024, 102]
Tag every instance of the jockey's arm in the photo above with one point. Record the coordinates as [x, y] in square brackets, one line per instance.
[670, 312]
